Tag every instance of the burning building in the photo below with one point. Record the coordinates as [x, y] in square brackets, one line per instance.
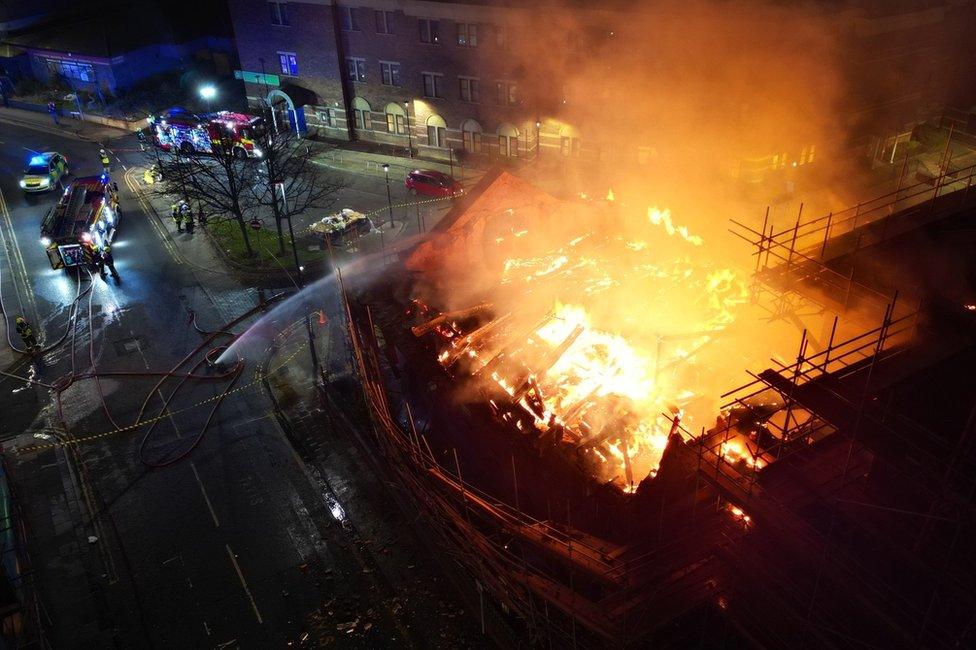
[549, 381]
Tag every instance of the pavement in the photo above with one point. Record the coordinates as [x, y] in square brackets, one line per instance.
[207, 529]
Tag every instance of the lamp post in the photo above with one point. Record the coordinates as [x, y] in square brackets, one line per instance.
[538, 125]
[301, 280]
[207, 93]
[406, 109]
[389, 198]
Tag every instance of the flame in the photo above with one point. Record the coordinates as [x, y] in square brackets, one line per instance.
[663, 218]
[594, 374]
[610, 196]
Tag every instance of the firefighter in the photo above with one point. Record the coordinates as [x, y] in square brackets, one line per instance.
[186, 214]
[201, 217]
[105, 160]
[26, 334]
[189, 221]
[178, 217]
[108, 261]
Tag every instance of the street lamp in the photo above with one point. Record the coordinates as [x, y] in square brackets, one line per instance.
[538, 124]
[301, 280]
[389, 198]
[207, 93]
[406, 109]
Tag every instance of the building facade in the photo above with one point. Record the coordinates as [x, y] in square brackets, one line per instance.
[521, 81]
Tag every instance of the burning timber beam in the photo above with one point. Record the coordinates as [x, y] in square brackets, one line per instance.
[474, 338]
[547, 362]
[513, 345]
[420, 330]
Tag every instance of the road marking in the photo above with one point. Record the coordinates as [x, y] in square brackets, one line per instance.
[205, 497]
[16, 256]
[233, 560]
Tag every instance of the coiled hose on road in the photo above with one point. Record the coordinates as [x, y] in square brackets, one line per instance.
[63, 383]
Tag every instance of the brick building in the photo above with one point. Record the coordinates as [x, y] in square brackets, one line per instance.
[521, 80]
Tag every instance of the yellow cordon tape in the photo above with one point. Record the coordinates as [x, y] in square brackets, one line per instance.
[132, 427]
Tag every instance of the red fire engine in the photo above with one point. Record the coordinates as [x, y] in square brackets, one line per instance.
[84, 218]
[189, 133]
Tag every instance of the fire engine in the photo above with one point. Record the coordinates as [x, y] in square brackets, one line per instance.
[84, 218]
[189, 133]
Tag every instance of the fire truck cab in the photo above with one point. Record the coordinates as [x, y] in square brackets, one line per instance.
[85, 217]
[190, 133]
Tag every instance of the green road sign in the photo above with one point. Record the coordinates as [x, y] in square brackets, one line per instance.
[258, 78]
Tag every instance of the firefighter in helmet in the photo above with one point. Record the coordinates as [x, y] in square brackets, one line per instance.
[26, 333]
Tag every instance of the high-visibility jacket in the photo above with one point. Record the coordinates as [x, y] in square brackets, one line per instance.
[24, 329]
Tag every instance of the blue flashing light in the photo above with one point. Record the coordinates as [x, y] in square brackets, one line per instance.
[37, 160]
[104, 179]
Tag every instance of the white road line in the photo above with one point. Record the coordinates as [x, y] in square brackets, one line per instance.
[204, 493]
[233, 560]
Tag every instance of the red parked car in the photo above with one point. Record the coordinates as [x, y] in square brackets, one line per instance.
[431, 183]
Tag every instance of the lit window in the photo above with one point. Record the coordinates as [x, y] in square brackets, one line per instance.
[325, 117]
[432, 84]
[356, 69]
[288, 64]
[347, 19]
[396, 123]
[429, 31]
[508, 146]
[384, 21]
[467, 34]
[390, 72]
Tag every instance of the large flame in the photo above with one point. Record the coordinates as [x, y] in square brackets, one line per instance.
[603, 329]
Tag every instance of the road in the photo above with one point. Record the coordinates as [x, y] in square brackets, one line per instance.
[230, 546]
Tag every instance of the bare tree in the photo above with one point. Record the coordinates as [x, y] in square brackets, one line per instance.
[222, 183]
[295, 183]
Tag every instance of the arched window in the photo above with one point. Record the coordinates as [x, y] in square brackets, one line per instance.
[363, 114]
[436, 131]
[508, 140]
[569, 141]
[396, 119]
[471, 136]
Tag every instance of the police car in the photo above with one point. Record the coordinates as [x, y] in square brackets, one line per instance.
[45, 171]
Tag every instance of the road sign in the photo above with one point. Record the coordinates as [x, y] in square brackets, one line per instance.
[258, 78]
[255, 224]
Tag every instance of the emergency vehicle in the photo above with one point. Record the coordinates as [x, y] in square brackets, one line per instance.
[190, 133]
[84, 218]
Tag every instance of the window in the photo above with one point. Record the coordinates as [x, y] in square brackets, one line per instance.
[429, 31]
[390, 72]
[467, 35]
[436, 131]
[325, 117]
[363, 119]
[356, 69]
[384, 21]
[347, 19]
[436, 136]
[288, 63]
[506, 92]
[432, 84]
[569, 147]
[501, 37]
[279, 13]
[471, 141]
[71, 70]
[468, 89]
[396, 123]
[508, 146]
